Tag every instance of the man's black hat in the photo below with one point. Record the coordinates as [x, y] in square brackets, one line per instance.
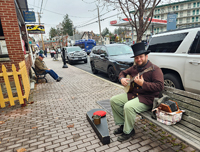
[138, 49]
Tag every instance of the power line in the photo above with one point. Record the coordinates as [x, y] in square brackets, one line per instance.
[58, 13]
[38, 5]
[97, 16]
[97, 21]
[79, 26]
[89, 2]
[45, 4]
[41, 6]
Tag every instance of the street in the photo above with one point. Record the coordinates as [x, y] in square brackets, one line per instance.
[87, 67]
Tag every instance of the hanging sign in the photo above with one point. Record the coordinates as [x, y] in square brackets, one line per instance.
[29, 16]
[35, 29]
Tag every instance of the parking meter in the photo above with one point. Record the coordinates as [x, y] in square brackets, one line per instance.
[63, 58]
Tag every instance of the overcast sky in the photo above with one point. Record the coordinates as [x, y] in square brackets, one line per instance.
[81, 12]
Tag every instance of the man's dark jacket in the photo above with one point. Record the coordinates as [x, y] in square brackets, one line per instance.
[153, 83]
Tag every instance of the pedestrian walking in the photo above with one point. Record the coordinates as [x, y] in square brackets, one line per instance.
[41, 51]
[52, 51]
[45, 52]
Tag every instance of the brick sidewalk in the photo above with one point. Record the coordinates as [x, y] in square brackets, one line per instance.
[42, 126]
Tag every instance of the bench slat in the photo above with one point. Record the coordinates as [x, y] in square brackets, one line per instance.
[184, 99]
[183, 93]
[191, 114]
[191, 120]
[176, 131]
[192, 133]
[190, 126]
[183, 105]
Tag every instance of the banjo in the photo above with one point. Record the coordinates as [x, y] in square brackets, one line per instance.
[130, 84]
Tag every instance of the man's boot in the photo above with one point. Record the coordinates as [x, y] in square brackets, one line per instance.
[119, 130]
[124, 136]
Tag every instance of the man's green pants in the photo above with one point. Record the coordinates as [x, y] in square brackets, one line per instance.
[125, 111]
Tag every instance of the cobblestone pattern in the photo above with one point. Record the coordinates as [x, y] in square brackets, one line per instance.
[43, 125]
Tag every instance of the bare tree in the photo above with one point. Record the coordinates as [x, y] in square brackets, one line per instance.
[139, 13]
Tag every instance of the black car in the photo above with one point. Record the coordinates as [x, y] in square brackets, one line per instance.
[111, 59]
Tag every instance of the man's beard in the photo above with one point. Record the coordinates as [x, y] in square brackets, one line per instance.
[143, 63]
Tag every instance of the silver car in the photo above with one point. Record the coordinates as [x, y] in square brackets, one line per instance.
[74, 54]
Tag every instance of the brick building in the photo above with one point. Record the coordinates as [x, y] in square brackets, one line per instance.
[13, 35]
[56, 42]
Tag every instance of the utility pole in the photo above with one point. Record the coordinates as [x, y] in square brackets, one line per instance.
[41, 34]
[73, 28]
[99, 24]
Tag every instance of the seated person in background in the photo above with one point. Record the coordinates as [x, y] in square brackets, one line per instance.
[40, 67]
[147, 86]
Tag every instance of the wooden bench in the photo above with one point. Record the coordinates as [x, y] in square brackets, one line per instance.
[188, 129]
[39, 76]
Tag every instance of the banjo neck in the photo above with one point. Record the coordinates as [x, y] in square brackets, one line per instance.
[151, 68]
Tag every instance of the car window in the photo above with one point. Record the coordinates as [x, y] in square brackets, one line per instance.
[103, 51]
[95, 50]
[195, 48]
[119, 50]
[72, 49]
[167, 43]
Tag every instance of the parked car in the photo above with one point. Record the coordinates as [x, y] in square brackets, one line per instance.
[74, 54]
[177, 53]
[111, 59]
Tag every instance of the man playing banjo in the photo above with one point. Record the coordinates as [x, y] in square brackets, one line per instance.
[145, 86]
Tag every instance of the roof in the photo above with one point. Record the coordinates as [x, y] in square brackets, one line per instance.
[187, 28]
[155, 22]
[170, 4]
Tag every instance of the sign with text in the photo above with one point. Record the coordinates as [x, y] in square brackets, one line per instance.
[35, 29]
[113, 22]
[29, 16]
[171, 21]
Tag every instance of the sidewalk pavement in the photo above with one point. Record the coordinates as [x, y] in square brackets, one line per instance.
[56, 121]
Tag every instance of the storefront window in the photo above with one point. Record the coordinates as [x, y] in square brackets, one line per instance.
[3, 47]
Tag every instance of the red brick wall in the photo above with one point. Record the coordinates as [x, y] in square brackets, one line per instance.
[11, 32]
[28, 62]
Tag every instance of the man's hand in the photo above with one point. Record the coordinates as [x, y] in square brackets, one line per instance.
[125, 81]
[139, 80]
[49, 69]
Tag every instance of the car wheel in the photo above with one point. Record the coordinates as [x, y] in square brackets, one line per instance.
[69, 61]
[93, 68]
[172, 80]
[85, 61]
[112, 74]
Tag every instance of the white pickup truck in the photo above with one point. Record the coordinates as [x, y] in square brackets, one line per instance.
[177, 53]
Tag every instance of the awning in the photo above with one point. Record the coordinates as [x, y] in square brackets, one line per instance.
[124, 22]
